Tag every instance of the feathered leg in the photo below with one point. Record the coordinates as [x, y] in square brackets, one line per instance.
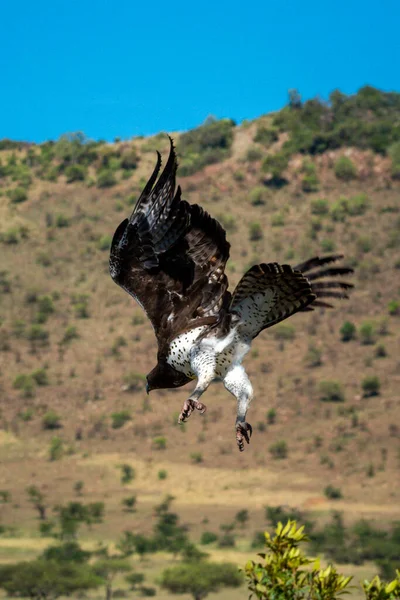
[238, 384]
[203, 365]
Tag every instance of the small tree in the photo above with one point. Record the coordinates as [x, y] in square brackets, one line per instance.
[108, 569]
[36, 497]
[200, 579]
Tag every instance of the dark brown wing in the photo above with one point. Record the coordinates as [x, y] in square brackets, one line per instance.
[267, 294]
[170, 256]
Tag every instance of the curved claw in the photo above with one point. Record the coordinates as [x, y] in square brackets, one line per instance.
[188, 407]
[243, 430]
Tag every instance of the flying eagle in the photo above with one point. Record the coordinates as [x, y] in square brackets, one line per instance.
[170, 256]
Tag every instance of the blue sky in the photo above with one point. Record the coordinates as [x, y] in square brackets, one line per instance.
[126, 68]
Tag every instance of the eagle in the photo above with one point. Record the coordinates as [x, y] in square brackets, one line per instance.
[170, 256]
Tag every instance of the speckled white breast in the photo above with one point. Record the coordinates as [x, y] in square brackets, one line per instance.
[183, 349]
[180, 347]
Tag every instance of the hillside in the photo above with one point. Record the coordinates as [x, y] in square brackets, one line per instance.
[74, 348]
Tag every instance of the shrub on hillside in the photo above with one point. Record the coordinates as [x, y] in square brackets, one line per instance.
[120, 418]
[207, 144]
[367, 333]
[255, 232]
[51, 420]
[279, 449]
[394, 153]
[26, 384]
[284, 332]
[371, 386]
[330, 391]
[345, 169]
[333, 493]
[17, 195]
[347, 331]
[319, 206]
[274, 165]
[106, 178]
[75, 173]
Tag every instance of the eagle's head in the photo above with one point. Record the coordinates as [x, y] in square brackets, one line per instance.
[165, 376]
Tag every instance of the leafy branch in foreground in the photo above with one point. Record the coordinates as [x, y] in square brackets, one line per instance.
[287, 574]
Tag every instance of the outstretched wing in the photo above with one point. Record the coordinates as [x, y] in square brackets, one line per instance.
[170, 256]
[269, 293]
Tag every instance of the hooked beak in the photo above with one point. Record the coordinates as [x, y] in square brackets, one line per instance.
[147, 388]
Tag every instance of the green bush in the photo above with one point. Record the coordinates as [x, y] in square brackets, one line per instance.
[40, 579]
[160, 443]
[56, 449]
[275, 164]
[75, 173]
[271, 416]
[330, 391]
[51, 420]
[62, 221]
[17, 195]
[347, 331]
[394, 308]
[357, 205]
[252, 154]
[394, 153]
[279, 449]
[266, 135]
[255, 231]
[367, 333]
[257, 196]
[37, 334]
[345, 169]
[129, 159]
[284, 332]
[328, 245]
[310, 183]
[340, 209]
[105, 178]
[26, 384]
[208, 537]
[277, 220]
[371, 386]
[196, 457]
[128, 473]
[162, 474]
[200, 578]
[333, 493]
[319, 206]
[120, 418]
[207, 144]
[40, 376]
[71, 333]
[364, 244]
[105, 242]
[313, 357]
[129, 503]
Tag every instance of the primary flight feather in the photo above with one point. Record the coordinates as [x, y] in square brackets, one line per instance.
[170, 256]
